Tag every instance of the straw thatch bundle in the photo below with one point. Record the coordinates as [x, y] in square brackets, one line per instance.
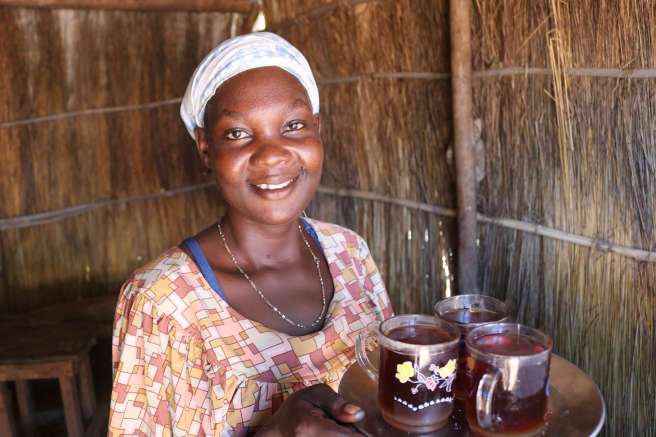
[126, 70]
[565, 95]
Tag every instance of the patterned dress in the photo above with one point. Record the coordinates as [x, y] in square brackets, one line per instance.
[186, 363]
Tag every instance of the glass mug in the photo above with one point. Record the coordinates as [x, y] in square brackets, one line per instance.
[507, 379]
[469, 311]
[418, 360]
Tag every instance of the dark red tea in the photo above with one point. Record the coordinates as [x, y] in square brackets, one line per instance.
[520, 397]
[416, 390]
[463, 317]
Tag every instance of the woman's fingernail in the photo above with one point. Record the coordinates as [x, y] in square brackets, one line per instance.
[352, 409]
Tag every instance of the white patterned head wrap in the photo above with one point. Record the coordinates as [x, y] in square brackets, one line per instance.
[234, 56]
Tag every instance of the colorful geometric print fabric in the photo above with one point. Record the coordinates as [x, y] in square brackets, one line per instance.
[186, 363]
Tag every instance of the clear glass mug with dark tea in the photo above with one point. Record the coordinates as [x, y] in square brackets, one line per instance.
[417, 370]
[507, 380]
[469, 311]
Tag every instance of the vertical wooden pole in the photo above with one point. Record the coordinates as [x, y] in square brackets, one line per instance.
[460, 28]
[87, 394]
[249, 19]
[7, 424]
[72, 412]
[26, 407]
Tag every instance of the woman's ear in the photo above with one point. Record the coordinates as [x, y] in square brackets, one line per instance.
[203, 146]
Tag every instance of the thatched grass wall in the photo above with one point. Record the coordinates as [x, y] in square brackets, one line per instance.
[575, 151]
[88, 115]
[569, 133]
[565, 96]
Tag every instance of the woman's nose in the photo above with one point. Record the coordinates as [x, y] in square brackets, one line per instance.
[271, 153]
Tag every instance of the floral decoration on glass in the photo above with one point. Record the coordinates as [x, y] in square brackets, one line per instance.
[439, 377]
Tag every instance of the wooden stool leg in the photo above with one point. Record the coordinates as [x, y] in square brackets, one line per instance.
[25, 407]
[87, 393]
[7, 424]
[72, 411]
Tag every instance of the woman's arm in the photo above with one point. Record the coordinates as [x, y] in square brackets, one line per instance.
[141, 382]
[159, 387]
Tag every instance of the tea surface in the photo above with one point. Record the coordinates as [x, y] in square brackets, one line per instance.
[508, 344]
[420, 334]
[465, 315]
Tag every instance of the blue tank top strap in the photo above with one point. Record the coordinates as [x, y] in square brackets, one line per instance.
[204, 266]
[310, 230]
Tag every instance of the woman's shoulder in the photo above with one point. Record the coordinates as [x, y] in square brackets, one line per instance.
[341, 244]
[336, 232]
[169, 273]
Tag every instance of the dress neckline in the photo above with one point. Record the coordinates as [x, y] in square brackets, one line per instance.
[222, 302]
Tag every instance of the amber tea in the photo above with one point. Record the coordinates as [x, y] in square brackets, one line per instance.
[507, 380]
[469, 311]
[414, 389]
[417, 371]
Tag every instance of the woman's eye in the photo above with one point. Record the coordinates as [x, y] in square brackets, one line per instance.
[236, 134]
[296, 125]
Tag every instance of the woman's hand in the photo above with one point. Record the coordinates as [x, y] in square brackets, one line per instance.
[314, 411]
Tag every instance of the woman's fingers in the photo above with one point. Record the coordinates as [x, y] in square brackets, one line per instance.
[334, 405]
[315, 421]
[315, 411]
[330, 428]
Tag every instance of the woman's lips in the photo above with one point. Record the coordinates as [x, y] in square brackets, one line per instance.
[275, 187]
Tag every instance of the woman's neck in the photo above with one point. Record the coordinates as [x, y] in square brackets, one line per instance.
[262, 245]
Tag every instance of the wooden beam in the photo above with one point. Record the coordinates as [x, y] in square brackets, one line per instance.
[239, 6]
[461, 80]
[43, 370]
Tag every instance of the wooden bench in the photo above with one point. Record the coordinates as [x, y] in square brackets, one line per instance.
[29, 351]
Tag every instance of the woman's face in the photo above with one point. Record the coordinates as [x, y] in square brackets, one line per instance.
[263, 145]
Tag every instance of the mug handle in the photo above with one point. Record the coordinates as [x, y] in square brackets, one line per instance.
[484, 396]
[361, 351]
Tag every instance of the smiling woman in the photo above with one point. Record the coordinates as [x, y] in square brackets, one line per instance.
[252, 320]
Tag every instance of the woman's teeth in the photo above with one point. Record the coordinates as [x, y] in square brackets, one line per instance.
[273, 186]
